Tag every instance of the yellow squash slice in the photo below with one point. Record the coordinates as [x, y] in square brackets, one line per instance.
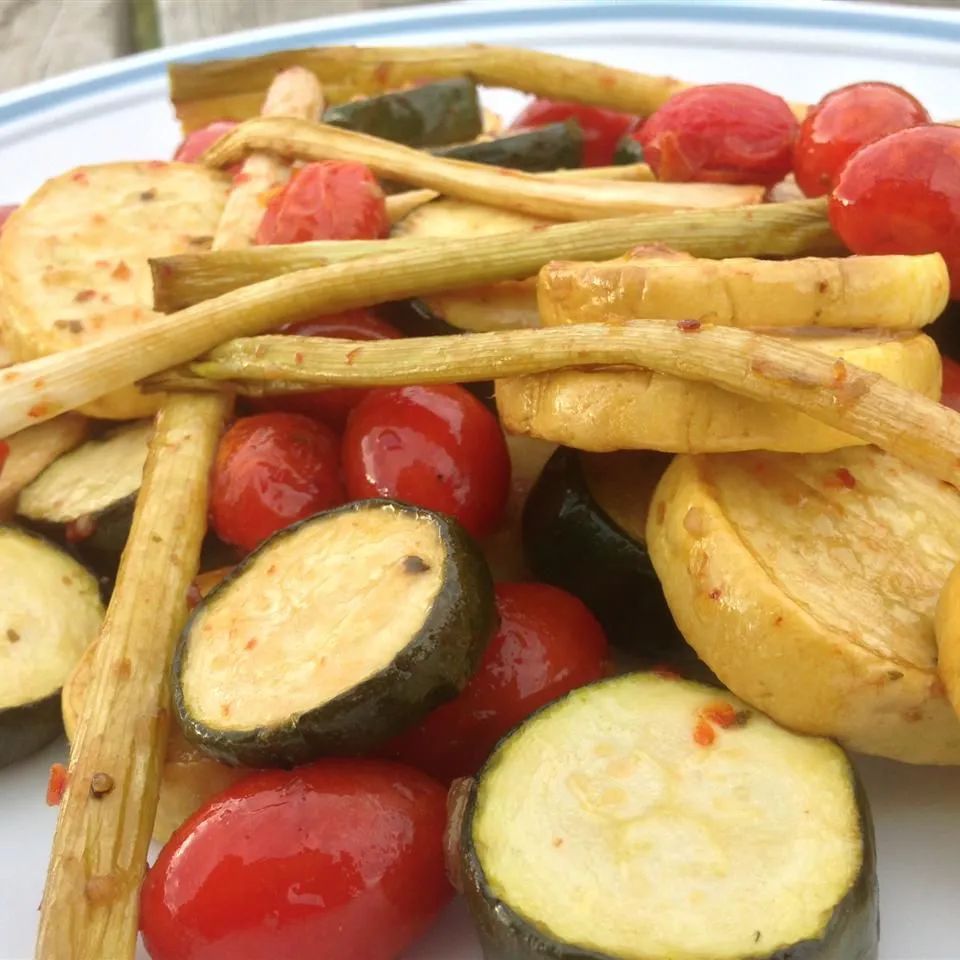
[808, 584]
[896, 293]
[607, 410]
[73, 258]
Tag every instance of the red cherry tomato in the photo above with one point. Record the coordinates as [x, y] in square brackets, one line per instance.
[437, 447]
[548, 644]
[341, 859]
[602, 129]
[841, 123]
[270, 471]
[330, 406]
[721, 133]
[950, 392]
[334, 200]
[902, 195]
[5, 212]
[197, 143]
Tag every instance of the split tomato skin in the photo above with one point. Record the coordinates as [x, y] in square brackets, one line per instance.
[333, 200]
[330, 406]
[901, 194]
[842, 122]
[602, 129]
[548, 644]
[197, 143]
[271, 470]
[437, 447]
[341, 859]
[721, 133]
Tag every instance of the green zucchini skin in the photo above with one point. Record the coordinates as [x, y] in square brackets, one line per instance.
[434, 114]
[555, 146]
[29, 727]
[433, 667]
[628, 151]
[852, 933]
[571, 542]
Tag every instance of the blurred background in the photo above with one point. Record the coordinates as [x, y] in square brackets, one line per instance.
[42, 38]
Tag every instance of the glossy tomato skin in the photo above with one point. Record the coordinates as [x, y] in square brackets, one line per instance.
[334, 200]
[602, 129]
[548, 644]
[437, 447]
[950, 392]
[197, 143]
[842, 122]
[271, 470]
[330, 406]
[342, 859]
[902, 195]
[721, 133]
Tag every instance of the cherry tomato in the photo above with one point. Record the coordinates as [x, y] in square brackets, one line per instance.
[334, 200]
[950, 392]
[341, 859]
[437, 447]
[721, 133]
[548, 644]
[841, 123]
[330, 406]
[5, 212]
[271, 470]
[602, 129]
[197, 143]
[902, 195]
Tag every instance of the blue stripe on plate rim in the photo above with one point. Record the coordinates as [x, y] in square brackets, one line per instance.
[843, 15]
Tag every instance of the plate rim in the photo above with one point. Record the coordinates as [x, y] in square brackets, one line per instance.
[936, 23]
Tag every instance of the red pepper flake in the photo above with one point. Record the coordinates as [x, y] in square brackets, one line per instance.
[353, 354]
[101, 264]
[80, 177]
[83, 296]
[56, 784]
[841, 477]
[250, 644]
[716, 593]
[839, 372]
[123, 669]
[39, 410]
[721, 713]
[688, 326]
[298, 359]
[225, 709]
[76, 531]
[823, 286]
[665, 672]
[703, 733]
[121, 271]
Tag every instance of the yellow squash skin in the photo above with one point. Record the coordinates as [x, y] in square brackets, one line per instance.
[73, 258]
[948, 637]
[891, 292]
[606, 410]
[808, 585]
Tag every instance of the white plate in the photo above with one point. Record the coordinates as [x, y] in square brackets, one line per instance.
[799, 49]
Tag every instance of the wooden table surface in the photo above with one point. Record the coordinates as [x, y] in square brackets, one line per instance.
[41, 38]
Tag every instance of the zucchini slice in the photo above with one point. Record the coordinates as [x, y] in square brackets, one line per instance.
[572, 540]
[604, 410]
[809, 585]
[434, 114]
[334, 635]
[555, 146]
[643, 818]
[50, 611]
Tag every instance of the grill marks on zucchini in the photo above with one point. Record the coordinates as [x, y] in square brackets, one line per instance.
[602, 828]
[334, 635]
[50, 610]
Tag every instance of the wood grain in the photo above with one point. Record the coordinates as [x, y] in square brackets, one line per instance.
[181, 20]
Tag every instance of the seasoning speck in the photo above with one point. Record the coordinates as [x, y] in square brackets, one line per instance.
[100, 785]
[688, 326]
[12, 635]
